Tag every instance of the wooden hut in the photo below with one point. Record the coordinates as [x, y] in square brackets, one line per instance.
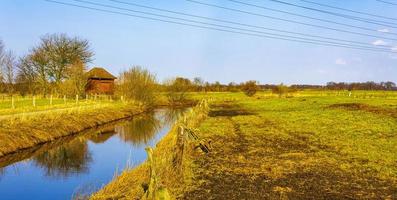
[100, 81]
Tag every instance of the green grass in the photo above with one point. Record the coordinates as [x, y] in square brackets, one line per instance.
[299, 147]
[313, 144]
[25, 104]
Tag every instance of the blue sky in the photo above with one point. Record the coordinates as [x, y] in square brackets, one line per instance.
[171, 50]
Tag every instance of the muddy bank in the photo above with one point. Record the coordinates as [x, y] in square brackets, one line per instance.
[21, 133]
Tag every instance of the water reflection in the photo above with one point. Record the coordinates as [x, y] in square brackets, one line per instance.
[71, 156]
[171, 115]
[64, 161]
[140, 130]
[2, 172]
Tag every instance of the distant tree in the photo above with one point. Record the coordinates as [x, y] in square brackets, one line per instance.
[26, 76]
[249, 88]
[37, 62]
[138, 84]
[388, 85]
[280, 90]
[7, 69]
[76, 79]
[57, 52]
[177, 89]
[2, 52]
[198, 83]
[8, 65]
[232, 87]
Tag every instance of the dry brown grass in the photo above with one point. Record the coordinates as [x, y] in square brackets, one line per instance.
[21, 132]
[131, 184]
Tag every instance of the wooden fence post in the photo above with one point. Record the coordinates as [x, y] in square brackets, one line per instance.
[153, 182]
[34, 101]
[77, 99]
[12, 103]
[64, 99]
[51, 100]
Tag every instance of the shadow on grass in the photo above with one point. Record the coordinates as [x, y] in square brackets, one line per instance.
[392, 112]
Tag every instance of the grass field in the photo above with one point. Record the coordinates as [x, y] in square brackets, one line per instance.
[314, 144]
[30, 104]
[322, 147]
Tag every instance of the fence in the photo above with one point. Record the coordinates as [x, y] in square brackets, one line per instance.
[32, 102]
[186, 133]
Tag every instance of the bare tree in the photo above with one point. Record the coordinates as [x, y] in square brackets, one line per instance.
[26, 76]
[63, 51]
[9, 71]
[2, 52]
[76, 79]
[7, 64]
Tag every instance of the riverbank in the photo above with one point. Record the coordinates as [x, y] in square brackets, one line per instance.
[280, 148]
[24, 131]
[168, 168]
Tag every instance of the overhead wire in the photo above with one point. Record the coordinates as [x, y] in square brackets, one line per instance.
[307, 17]
[291, 21]
[351, 17]
[218, 29]
[348, 10]
[240, 24]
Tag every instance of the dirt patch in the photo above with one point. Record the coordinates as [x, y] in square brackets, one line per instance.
[229, 110]
[243, 165]
[392, 112]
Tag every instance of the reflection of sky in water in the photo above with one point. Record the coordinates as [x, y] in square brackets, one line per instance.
[86, 161]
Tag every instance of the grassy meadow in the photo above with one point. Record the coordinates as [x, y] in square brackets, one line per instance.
[317, 144]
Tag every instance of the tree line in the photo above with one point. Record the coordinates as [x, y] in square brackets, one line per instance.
[57, 66]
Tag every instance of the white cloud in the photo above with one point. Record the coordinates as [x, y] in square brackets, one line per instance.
[340, 61]
[394, 49]
[379, 42]
[384, 30]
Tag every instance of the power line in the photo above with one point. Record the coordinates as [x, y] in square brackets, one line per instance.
[218, 25]
[240, 24]
[388, 2]
[366, 20]
[348, 10]
[306, 16]
[212, 28]
[290, 21]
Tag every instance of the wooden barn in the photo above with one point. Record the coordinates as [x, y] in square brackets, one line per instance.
[100, 81]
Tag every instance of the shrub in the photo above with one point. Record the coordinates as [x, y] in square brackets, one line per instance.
[249, 88]
[138, 84]
[177, 90]
[280, 90]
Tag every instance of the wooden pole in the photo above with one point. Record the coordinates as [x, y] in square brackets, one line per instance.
[12, 103]
[64, 99]
[34, 101]
[51, 100]
[77, 99]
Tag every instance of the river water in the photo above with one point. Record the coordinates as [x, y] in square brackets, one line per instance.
[81, 164]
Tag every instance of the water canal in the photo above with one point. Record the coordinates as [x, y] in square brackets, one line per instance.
[82, 163]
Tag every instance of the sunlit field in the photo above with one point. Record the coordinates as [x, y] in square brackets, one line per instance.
[322, 144]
